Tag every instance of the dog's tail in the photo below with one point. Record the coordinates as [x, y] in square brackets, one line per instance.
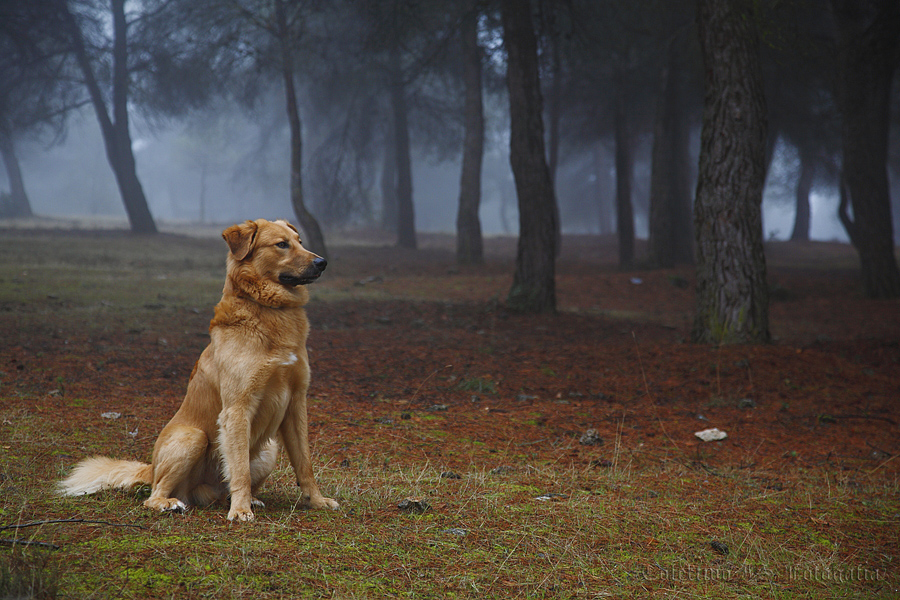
[101, 473]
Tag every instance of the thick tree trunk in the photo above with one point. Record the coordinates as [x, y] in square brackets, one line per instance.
[670, 224]
[732, 294]
[116, 134]
[868, 38]
[554, 112]
[624, 174]
[406, 218]
[804, 188]
[534, 285]
[19, 206]
[469, 246]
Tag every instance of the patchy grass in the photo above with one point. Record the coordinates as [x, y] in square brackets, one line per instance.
[801, 501]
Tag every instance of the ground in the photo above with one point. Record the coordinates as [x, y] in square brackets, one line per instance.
[425, 387]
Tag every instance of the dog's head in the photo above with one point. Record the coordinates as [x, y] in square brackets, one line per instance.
[267, 262]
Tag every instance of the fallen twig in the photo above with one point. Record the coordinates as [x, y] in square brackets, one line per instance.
[29, 543]
[18, 526]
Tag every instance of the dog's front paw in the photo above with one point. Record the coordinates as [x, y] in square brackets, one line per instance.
[240, 514]
[323, 502]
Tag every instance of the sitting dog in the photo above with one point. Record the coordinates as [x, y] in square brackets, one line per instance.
[247, 392]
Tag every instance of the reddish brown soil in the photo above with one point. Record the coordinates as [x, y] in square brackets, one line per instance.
[424, 341]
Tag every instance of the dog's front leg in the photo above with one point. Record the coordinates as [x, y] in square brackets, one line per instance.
[295, 437]
[234, 445]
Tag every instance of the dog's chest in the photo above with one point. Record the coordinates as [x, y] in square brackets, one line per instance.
[278, 393]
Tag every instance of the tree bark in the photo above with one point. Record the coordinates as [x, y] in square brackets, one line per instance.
[19, 206]
[115, 130]
[469, 243]
[315, 240]
[406, 218]
[868, 38]
[534, 285]
[804, 188]
[670, 227]
[624, 174]
[732, 293]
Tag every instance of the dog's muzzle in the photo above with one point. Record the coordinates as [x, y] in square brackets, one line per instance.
[313, 272]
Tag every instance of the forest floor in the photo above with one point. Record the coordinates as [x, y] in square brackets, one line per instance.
[425, 387]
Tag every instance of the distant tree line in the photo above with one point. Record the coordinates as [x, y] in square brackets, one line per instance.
[578, 77]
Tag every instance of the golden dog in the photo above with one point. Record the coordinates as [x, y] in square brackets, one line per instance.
[247, 391]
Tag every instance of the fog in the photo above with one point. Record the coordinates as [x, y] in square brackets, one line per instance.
[236, 176]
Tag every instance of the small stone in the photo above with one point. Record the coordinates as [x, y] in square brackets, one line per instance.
[413, 505]
[450, 475]
[111, 415]
[550, 496]
[711, 435]
[456, 531]
[590, 438]
[720, 547]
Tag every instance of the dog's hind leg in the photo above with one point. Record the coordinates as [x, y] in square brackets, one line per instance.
[178, 451]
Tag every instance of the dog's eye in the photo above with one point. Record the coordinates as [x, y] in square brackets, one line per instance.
[283, 245]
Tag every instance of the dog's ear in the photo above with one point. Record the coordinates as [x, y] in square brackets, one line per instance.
[240, 238]
[292, 227]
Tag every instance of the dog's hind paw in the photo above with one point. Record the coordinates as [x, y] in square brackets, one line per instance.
[178, 507]
[166, 505]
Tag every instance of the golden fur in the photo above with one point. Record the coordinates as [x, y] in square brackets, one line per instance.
[247, 392]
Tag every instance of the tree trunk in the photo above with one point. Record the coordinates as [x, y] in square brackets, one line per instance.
[804, 187]
[19, 206]
[732, 294]
[670, 228]
[314, 241]
[604, 206]
[624, 173]
[389, 186]
[469, 247]
[534, 286]
[554, 112]
[116, 135]
[868, 37]
[406, 218]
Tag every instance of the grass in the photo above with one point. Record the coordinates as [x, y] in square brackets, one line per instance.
[638, 521]
[643, 529]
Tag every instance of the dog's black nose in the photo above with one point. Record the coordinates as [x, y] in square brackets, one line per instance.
[320, 263]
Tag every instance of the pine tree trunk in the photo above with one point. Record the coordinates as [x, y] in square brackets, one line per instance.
[19, 205]
[406, 218]
[124, 165]
[670, 223]
[116, 135]
[388, 186]
[624, 175]
[314, 239]
[534, 286]
[804, 187]
[732, 293]
[868, 38]
[469, 246]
